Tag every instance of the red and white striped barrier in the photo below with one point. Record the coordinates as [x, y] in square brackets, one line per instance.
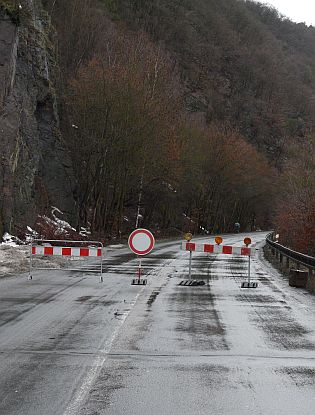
[65, 251]
[216, 249]
[45, 247]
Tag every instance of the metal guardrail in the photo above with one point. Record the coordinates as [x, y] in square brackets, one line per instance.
[302, 259]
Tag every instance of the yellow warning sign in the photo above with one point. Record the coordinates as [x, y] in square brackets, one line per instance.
[188, 236]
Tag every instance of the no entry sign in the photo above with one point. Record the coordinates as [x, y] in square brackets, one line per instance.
[141, 241]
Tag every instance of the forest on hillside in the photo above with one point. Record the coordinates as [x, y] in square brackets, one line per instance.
[200, 111]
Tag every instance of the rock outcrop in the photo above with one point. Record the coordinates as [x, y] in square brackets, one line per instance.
[35, 168]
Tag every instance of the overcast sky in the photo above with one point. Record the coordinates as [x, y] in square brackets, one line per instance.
[296, 10]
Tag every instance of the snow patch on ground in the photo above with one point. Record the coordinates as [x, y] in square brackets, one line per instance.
[116, 246]
[31, 234]
[14, 260]
[84, 232]
[14, 253]
[62, 224]
[11, 240]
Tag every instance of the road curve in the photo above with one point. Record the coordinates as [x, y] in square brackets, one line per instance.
[72, 346]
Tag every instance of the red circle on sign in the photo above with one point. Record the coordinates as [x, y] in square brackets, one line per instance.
[247, 241]
[144, 238]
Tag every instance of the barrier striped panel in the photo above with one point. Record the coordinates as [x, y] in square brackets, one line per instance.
[66, 251]
[216, 249]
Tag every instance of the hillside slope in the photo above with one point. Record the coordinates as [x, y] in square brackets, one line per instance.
[35, 170]
[182, 115]
[240, 61]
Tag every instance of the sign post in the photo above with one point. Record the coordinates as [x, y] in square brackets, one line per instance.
[190, 260]
[248, 270]
[188, 237]
[141, 242]
[248, 284]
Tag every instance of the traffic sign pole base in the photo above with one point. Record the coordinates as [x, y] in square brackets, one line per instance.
[194, 283]
[137, 281]
[249, 284]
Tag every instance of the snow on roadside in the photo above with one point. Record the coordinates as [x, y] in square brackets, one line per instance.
[117, 246]
[14, 253]
[14, 260]
[62, 224]
[11, 240]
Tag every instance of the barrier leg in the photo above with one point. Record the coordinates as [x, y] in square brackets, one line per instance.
[101, 276]
[139, 270]
[248, 269]
[249, 284]
[30, 268]
[139, 280]
[190, 261]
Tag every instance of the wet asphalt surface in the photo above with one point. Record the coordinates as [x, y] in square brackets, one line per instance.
[70, 345]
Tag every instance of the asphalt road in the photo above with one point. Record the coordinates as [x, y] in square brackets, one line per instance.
[72, 346]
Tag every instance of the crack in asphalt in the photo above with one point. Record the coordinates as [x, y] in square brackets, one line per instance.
[147, 354]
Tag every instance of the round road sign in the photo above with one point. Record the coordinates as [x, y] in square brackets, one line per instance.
[141, 241]
[188, 236]
[247, 241]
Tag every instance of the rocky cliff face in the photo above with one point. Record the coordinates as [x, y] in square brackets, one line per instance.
[35, 169]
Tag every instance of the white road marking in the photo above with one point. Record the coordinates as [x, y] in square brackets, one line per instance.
[99, 362]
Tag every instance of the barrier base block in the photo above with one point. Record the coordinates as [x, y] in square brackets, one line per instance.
[249, 284]
[137, 281]
[194, 283]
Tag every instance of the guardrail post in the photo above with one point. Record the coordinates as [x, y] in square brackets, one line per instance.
[281, 258]
[288, 262]
[298, 278]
